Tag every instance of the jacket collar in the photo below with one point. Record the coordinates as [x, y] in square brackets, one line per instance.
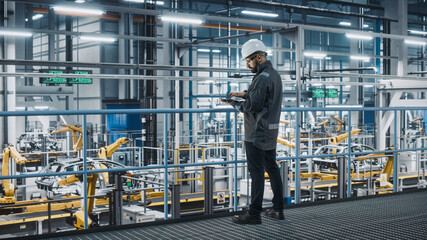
[263, 66]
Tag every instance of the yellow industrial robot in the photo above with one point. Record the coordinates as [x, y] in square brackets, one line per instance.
[8, 189]
[77, 138]
[107, 152]
[342, 137]
[388, 169]
[78, 217]
[420, 124]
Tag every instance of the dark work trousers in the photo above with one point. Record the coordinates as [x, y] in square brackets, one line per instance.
[258, 161]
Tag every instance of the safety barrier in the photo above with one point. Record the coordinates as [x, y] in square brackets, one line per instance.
[165, 166]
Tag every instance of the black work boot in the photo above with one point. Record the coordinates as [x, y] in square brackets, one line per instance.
[276, 214]
[247, 218]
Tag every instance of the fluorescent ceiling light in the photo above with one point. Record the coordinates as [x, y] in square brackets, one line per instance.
[368, 86]
[414, 42]
[361, 58]
[216, 51]
[148, 1]
[37, 17]
[269, 52]
[15, 33]
[417, 32]
[41, 107]
[78, 10]
[317, 55]
[79, 1]
[345, 23]
[330, 87]
[98, 39]
[203, 50]
[316, 84]
[263, 14]
[181, 20]
[328, 58]
[358, 36]
[365, 25]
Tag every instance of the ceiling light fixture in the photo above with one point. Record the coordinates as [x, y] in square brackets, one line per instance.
[203, 50]
[216, 51]
[41, 107]
[180, 19]
[365, 25]
[343, 23]
[15, 33]
[358, 36]
[417, 32]
[414, 42]
[148, 1]
[317, 55]
[78, 10]
[80, 1]
[37, 17]
[263, 14]
[98, 39]
[360, 58]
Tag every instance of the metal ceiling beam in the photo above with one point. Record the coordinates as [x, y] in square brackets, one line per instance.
[117, 66]
[232, 19]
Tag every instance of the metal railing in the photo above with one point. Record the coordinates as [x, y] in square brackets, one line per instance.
[234, 162]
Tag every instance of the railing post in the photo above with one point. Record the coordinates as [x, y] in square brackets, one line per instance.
[284, 172]
[208, 190]
[85, 171]
[165, 164]
[395, 168]
[341, 177]
[235, 162]
[118, 198]
[176, 201]
[297, 160]
[348, 157]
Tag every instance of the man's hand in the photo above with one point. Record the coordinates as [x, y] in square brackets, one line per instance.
[225, 100]
[237, 94]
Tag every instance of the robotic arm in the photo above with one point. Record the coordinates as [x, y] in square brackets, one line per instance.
[106, 152]
[77, 140]
[78, 217]
[340, 138]
[8, 189]
[341, 123]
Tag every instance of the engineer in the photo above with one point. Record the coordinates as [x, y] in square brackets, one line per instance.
[261, 108]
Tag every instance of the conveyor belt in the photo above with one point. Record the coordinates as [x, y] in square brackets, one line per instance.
[393, 216]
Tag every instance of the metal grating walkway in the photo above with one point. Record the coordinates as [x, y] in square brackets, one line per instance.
[398, 216]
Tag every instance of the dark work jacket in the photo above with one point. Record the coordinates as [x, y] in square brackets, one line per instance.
[262, 107]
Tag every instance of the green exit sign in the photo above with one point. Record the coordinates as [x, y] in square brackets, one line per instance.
[318, 93]
[54, 80]
[78, 80]
[59, 80]
[324, 93]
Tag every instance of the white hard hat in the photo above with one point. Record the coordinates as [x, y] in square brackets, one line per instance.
[252, 46]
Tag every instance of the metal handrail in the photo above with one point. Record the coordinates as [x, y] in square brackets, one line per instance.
[166, 166]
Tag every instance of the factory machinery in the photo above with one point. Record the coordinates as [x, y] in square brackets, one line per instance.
[56, 202]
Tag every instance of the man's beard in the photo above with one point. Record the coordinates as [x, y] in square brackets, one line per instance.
[255, 68]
